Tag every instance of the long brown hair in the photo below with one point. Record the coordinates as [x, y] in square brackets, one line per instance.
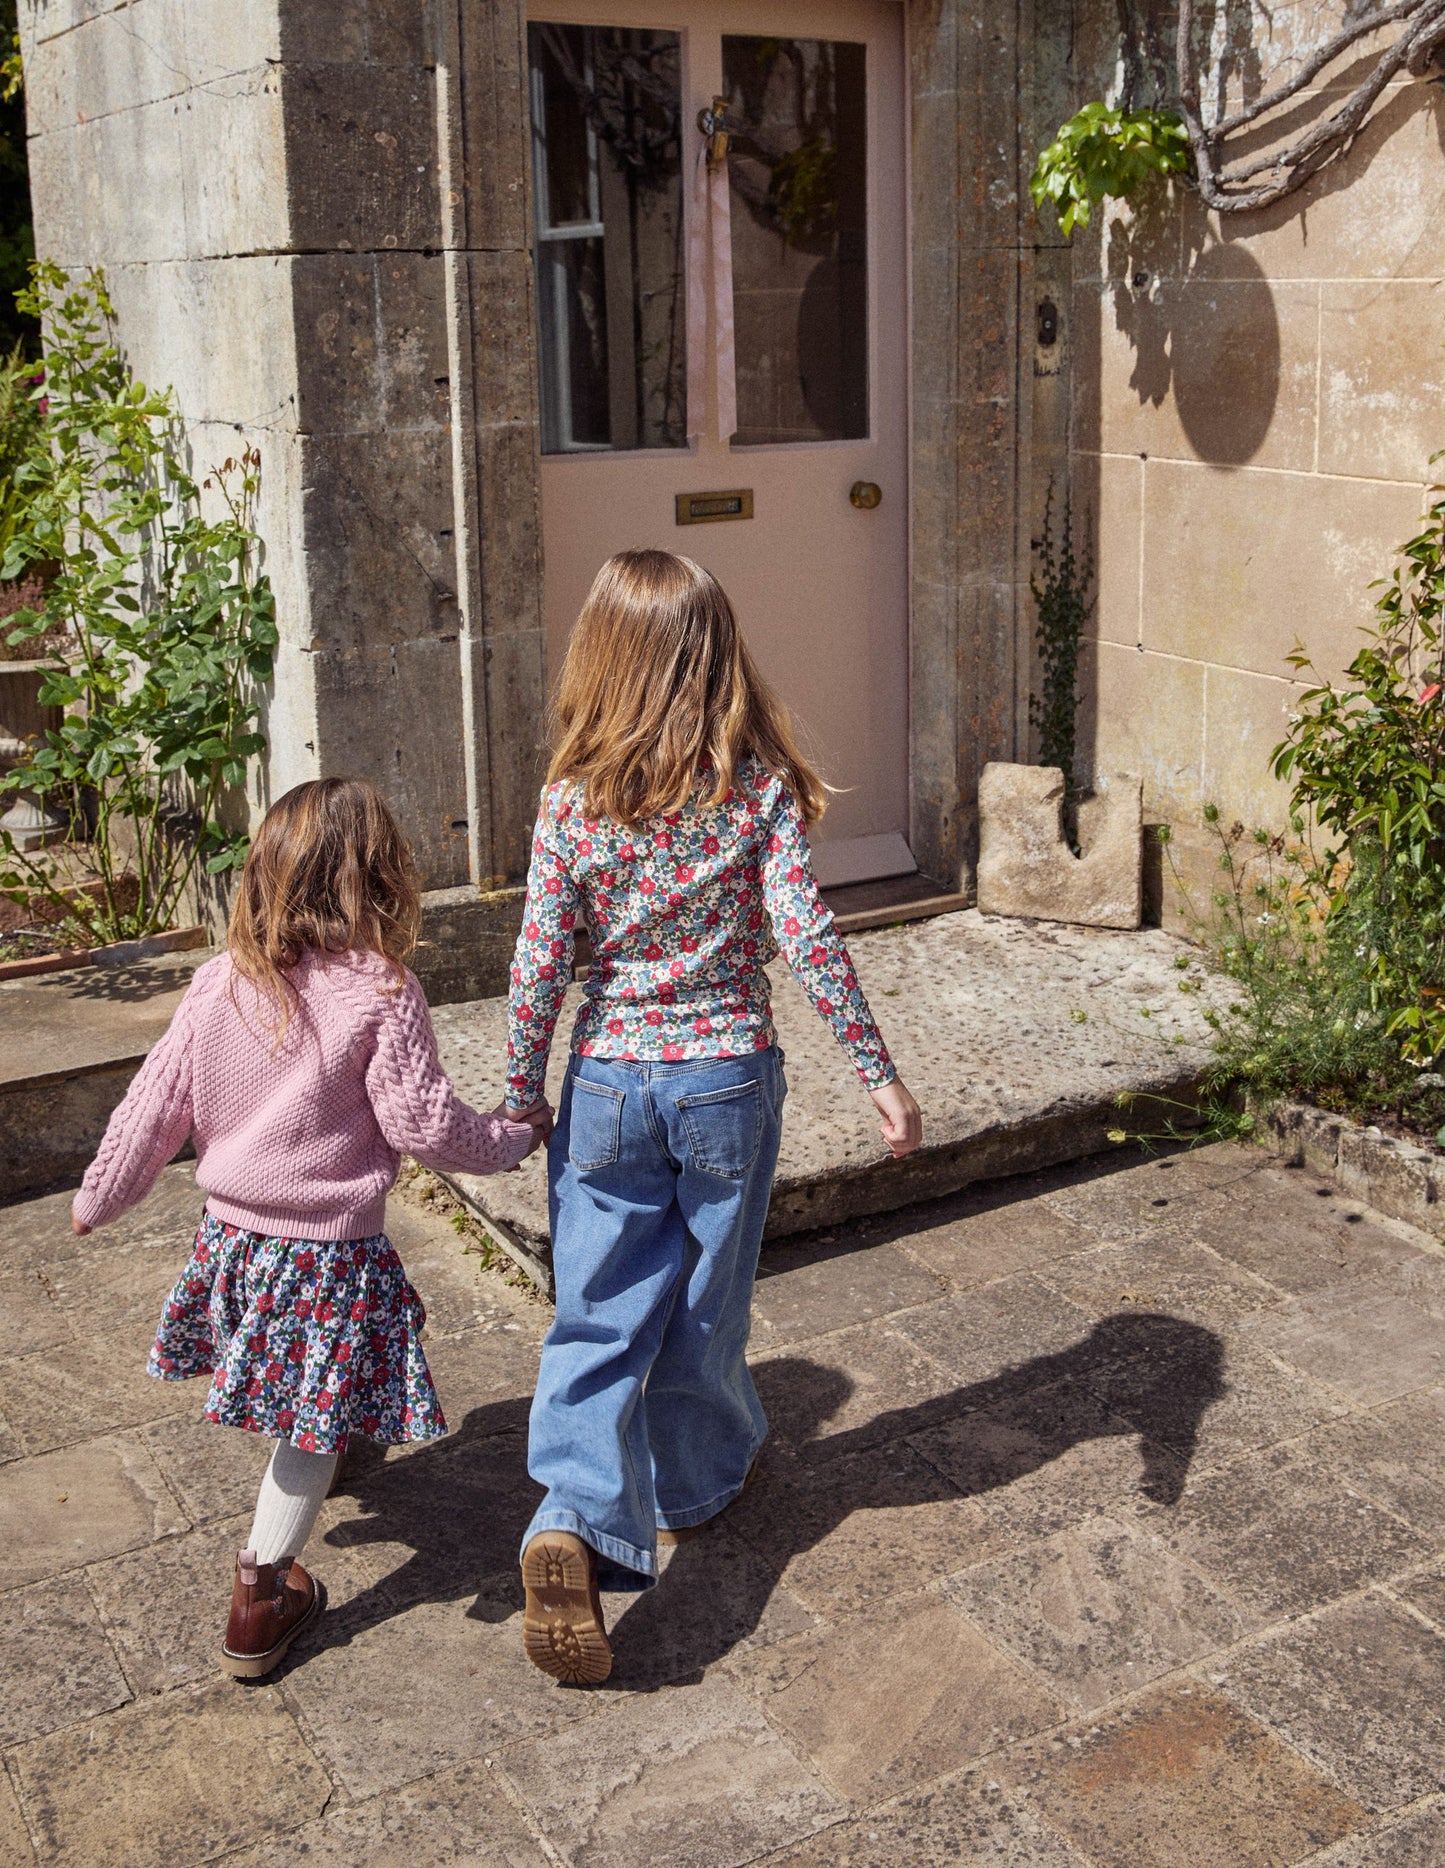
[658, 688]
[330, 869]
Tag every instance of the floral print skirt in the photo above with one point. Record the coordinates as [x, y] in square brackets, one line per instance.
[307, 1340]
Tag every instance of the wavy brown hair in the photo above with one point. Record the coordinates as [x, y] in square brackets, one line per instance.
[659, 691]
[330, 869]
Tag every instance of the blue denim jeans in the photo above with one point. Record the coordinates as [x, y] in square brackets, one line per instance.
[645, 1415]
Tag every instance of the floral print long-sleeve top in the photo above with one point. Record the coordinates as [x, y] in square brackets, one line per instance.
[682, 913]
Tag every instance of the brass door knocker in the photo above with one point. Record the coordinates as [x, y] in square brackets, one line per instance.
[712, 120]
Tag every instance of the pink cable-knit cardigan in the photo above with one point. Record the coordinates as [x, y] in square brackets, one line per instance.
[300, 1140]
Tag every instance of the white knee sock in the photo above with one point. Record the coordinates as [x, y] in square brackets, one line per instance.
[292, 1492]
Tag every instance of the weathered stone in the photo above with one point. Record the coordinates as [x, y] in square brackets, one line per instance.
[1417, 1842]
[1160, 1274]
[1008, 1077]
[1358, 1691]
[173, 1778]
[1006, 1233]
[1298, 1234]
[1369, 1344]
[80, 1388]
[214, 1471]
[59, 1666]
[1389, 1455]
[846, 1532]
[458, 1817]
[1098, 1611]
[625, 1787]
[361, 157]
[981, 1333]
[968, 1821]
[1282, 1534]
[1025, 867]
[889, 1703]
[1044, 1460]
[809, 1289]
[467, 942]
[66, 1509]
[1181, 1779]
[842, 1394]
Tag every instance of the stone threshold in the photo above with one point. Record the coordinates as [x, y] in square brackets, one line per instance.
[1397, 1178]
[1026, 1042]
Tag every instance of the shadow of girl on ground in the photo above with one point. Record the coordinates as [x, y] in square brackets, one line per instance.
[459, 1506]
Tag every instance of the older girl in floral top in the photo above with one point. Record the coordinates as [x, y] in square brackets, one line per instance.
[674, 829]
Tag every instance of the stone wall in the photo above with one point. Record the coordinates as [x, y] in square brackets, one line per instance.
[1254, 402]
[312, 222]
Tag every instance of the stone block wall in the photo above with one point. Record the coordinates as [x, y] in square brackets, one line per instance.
[310, 216]
[1254, 400]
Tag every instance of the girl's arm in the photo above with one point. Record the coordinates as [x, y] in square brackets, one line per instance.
[541, 968]
[803, 924]
[417, 1107]
[145, 1131]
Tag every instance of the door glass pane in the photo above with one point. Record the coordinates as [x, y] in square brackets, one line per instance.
[607, 193]
[798, 166]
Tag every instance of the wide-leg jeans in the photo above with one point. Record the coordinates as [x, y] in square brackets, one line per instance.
[645, 1415]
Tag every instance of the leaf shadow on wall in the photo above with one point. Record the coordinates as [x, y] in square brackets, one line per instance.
[1206, 336]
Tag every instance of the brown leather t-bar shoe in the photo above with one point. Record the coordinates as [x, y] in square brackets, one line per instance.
[562, 1629]
[270, 1604]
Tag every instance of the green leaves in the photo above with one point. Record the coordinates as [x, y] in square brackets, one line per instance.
[1104, 151]
[168, 623]
[1366, 758]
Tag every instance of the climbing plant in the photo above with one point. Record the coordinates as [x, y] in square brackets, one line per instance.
[1108, 150]
[1061, 587]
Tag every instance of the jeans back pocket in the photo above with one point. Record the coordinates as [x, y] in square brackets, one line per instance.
[724, 1127]
[596, 1129]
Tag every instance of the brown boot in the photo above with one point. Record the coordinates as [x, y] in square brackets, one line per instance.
[562, 1630]
[270, 1604]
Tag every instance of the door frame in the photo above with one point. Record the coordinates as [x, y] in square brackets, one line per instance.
[971, 274]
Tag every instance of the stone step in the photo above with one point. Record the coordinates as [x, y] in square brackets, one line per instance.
[70, 1042]
[1020, 1039]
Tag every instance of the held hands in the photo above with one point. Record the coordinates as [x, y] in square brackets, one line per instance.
[902, 1125]
[541, 1118]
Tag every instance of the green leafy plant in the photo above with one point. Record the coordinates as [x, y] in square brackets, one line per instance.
[22, 418]
[1061, 589]
[1366, 758]
[1105, 150]
[159, 590]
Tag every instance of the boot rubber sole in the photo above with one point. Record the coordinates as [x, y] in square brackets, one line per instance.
[562, 1629]
[253, 1666]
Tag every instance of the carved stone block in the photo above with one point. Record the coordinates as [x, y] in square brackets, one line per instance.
[1025, 867]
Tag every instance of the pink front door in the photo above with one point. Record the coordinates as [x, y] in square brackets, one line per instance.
[818, 573]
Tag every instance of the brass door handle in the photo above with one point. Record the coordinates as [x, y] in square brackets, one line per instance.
[864, 495]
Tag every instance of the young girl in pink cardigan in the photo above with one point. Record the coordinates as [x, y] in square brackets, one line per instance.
[303, 1063]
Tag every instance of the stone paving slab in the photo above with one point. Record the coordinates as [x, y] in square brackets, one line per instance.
[1083, 1540]
[1018, 1039]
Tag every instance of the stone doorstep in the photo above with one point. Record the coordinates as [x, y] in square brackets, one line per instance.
[1019, 1039]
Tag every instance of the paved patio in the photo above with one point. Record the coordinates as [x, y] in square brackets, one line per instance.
[1103, 1523]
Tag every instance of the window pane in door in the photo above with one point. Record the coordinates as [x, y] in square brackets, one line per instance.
[798, 167]
[607, 195]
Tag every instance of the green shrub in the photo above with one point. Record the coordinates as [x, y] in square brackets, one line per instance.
[1335, 934]
[172, 629]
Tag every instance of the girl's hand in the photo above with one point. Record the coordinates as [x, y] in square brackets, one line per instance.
[540, 1116]
[902, 1118]
[78, 1227]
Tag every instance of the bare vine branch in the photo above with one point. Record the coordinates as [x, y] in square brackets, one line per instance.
[1225, 186]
